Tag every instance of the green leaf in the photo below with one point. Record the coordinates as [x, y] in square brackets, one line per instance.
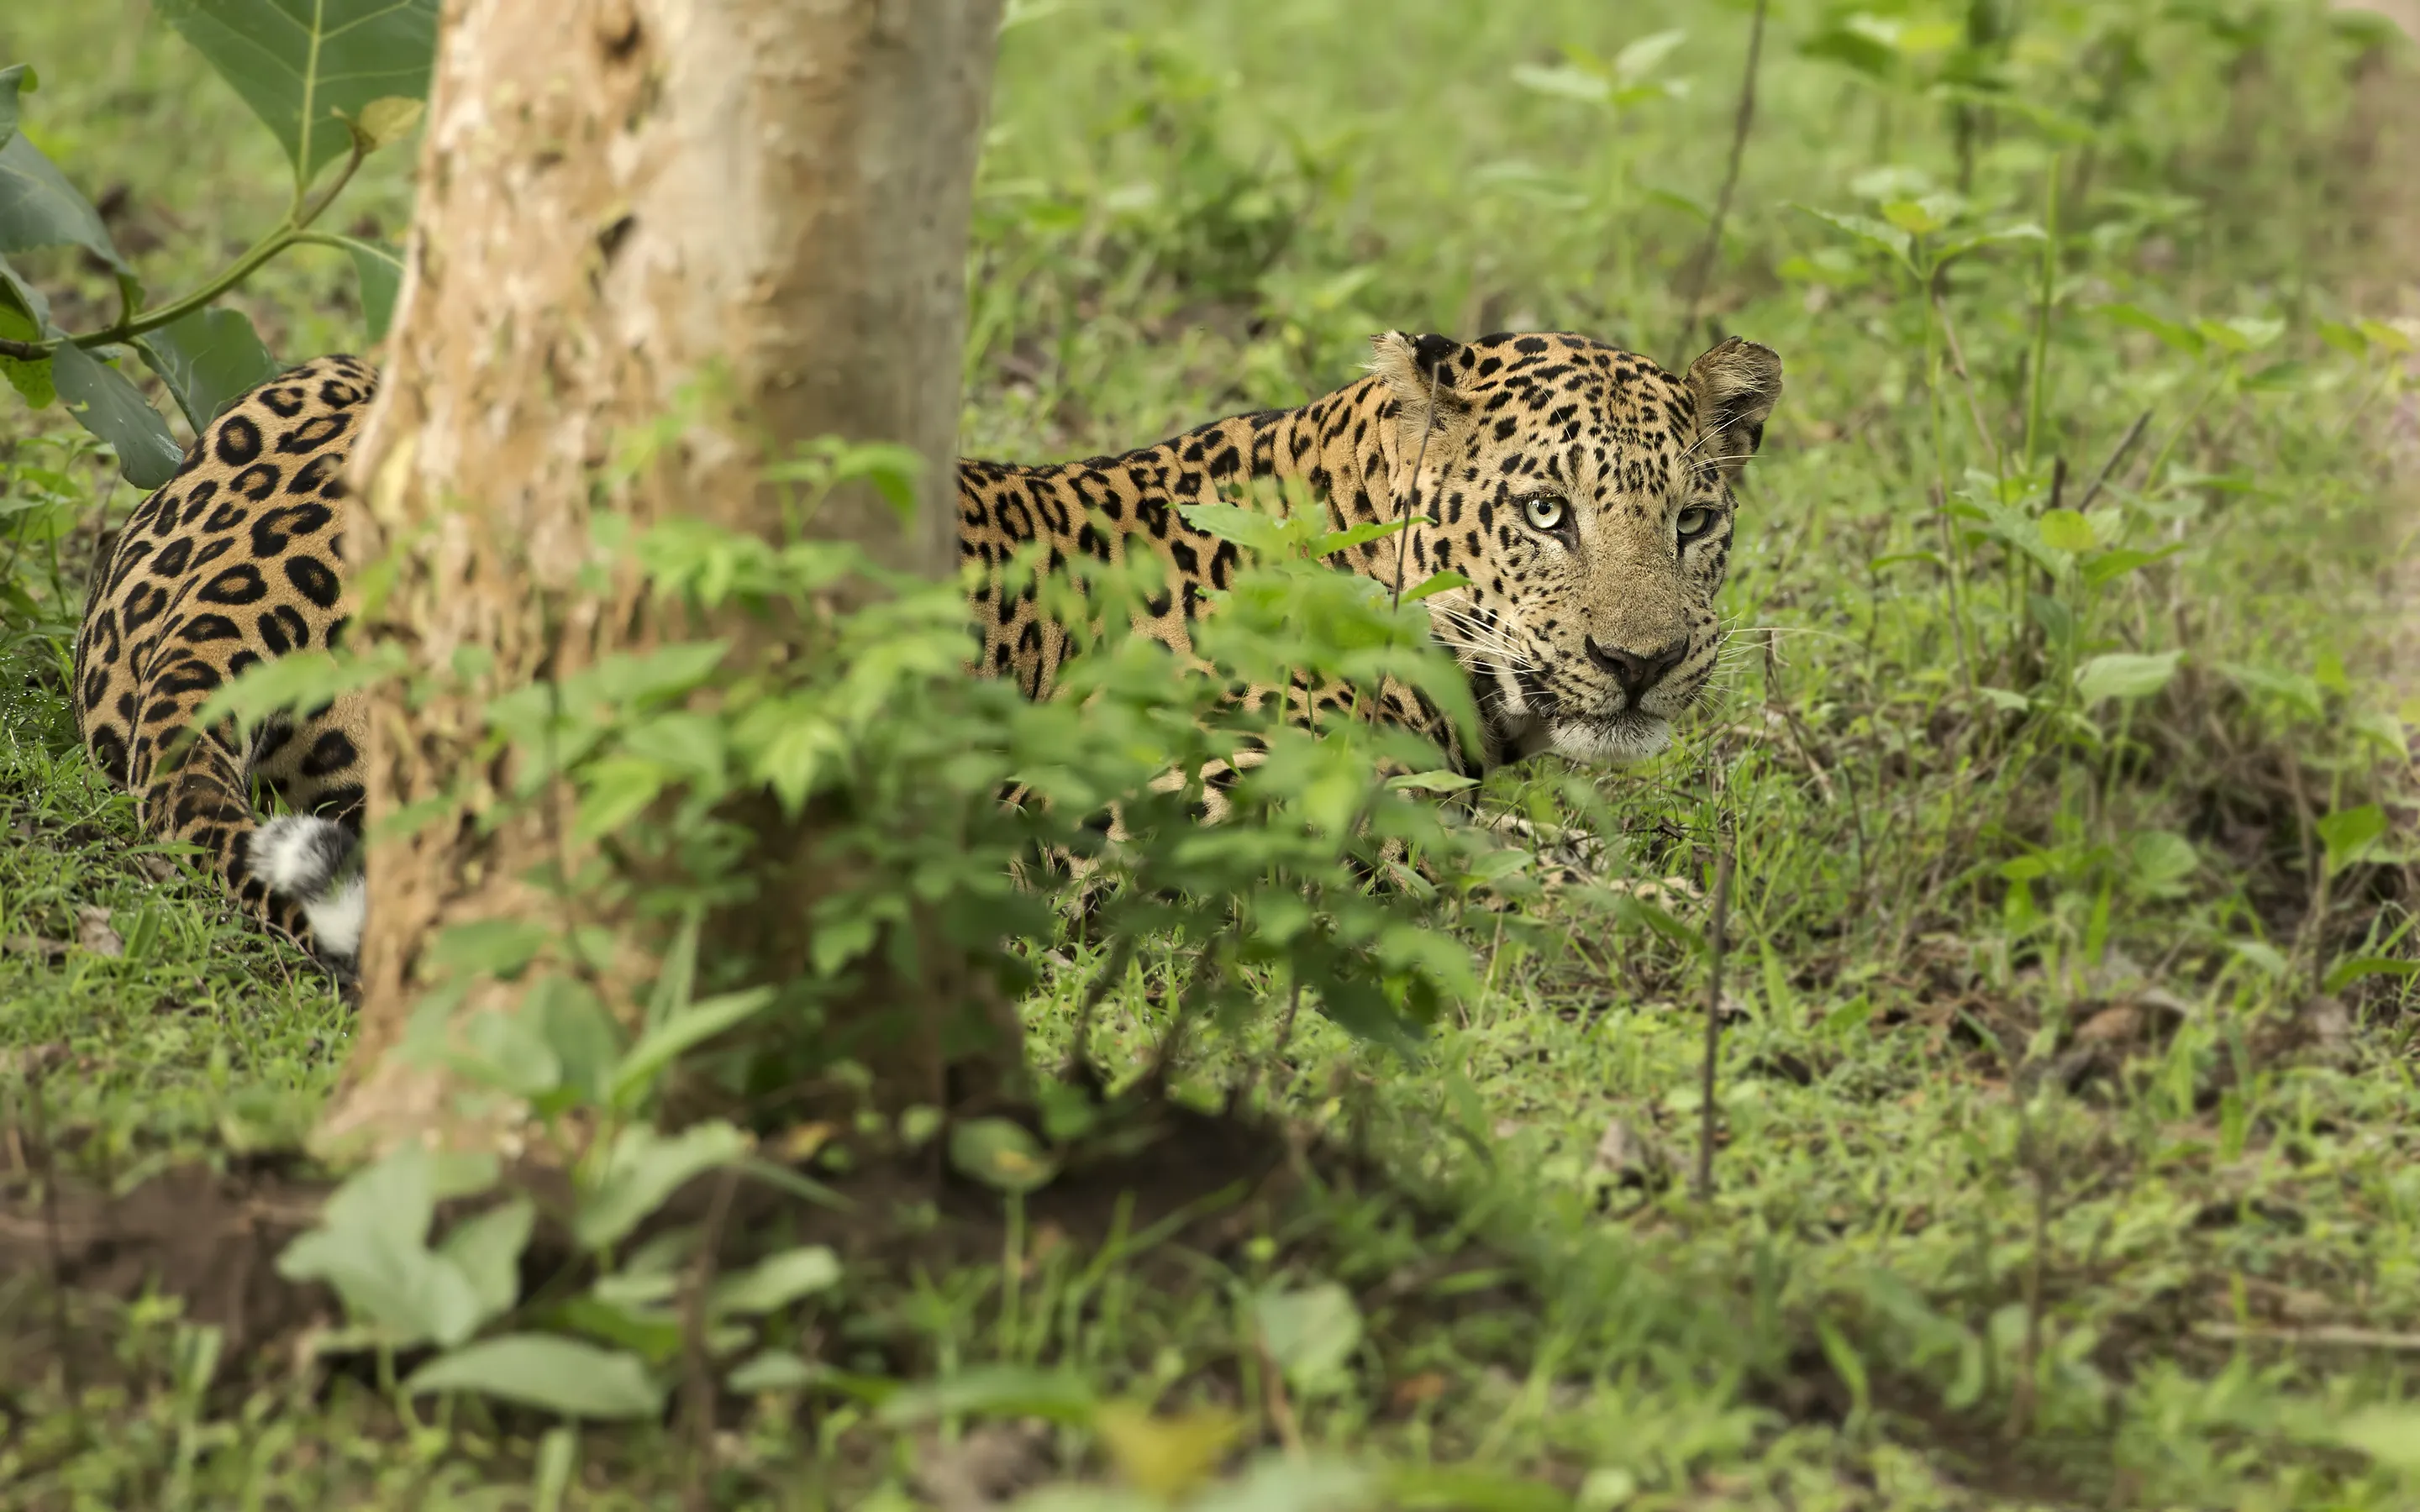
[38, 208]
[1873, 233]
[1437, 582]
[1437, 782]
[772, 1371]
[1345, 540]
[1638, 59]
[2346, 339]
[106, 404]
[1311, 1334]
[490, 946]
[778, 1282]
[25, 316]
[2352, 969]
[540, 1370]
[2161, 860]
[996, 1391]
[616, 790]
[510, 1052]
[2125, 675]
[303, 64]
[486, 1250]
[2024, 231]
[207, 359]
[2064, 529]
[1000, 1154]
[1854, 48]
[379, 268]
[371, 1249]
[2241, 334]
[1247, 527]
[1918, 217]
[2261, 954]
[2182, 338]
[644, 1168]
[2389, 1435]
[297, 680]
[2110, 565]
[1458, 1489]
[1564, 81]
[2349, 832]
[1283, 1483]
[689, 1027]
[16, 79]
[386, 121]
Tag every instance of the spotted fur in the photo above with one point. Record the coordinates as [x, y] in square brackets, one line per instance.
[1584, 492]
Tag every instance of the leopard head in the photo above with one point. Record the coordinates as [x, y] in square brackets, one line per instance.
[1586, 493]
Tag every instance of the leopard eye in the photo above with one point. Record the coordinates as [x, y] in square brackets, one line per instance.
[1694, 522]
[1543, 511]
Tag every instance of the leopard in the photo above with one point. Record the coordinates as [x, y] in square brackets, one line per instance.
[1581, 495]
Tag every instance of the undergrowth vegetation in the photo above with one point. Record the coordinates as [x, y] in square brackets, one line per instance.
[2059, 1118]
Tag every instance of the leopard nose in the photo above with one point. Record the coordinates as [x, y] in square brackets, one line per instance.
[1634, 672]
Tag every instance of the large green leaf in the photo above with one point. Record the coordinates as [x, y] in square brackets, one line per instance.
[558, 1375]
[106, 404]
[207, 359]
[25, 316]
[38, 208]
[299, 63]
[16, 79]
[2125, 675]
[644, 1168]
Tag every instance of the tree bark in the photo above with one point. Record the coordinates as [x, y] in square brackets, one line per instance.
[619, 198]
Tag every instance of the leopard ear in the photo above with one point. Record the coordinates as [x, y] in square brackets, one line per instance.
[1735, 387]
[1419, 371]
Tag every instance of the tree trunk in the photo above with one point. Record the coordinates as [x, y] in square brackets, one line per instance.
[619, 198]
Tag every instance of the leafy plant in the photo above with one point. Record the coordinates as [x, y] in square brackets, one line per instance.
[335, 82]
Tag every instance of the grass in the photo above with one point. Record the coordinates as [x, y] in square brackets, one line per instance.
[2065, 1133]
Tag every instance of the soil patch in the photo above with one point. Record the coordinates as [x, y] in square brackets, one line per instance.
[1200, 1183]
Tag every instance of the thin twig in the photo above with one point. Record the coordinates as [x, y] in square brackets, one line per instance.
[2339, 1335]
[1701, 271]
[2126, 445]
[1713, 1015]
[1965, 379]
[1956, 614]
[697, 1386]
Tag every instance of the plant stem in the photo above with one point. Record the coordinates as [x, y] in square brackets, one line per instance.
[131, 325]
[2125, 444]
[1701, 271]
[1715, 925]
[1951, 558]
[2042, 308]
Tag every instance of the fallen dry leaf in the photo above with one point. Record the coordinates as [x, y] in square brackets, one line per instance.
[984, 1470]
[2118, 1024]
[94, 934]
[1629, 1157]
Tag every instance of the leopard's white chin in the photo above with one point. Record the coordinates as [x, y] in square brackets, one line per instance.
[1632, 736]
